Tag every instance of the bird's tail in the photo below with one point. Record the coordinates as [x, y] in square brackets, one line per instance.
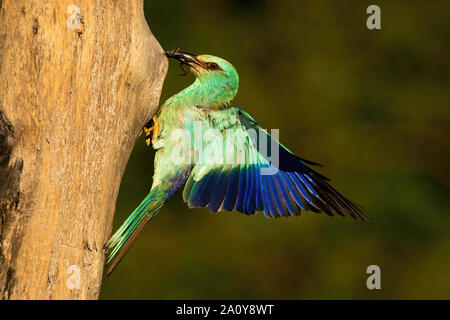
[123, 239]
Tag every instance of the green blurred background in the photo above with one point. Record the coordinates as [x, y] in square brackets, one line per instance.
[371, 106]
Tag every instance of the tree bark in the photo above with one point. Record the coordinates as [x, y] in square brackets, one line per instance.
[78, 80]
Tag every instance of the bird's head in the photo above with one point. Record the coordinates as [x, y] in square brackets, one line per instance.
[216, 82]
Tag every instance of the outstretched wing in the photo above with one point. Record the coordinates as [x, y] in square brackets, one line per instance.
[279, 185]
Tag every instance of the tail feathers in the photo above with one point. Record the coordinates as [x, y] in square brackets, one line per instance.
[123, 239]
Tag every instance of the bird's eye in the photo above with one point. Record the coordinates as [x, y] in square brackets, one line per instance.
[212, 65]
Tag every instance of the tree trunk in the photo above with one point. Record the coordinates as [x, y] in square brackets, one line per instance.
[78, 80]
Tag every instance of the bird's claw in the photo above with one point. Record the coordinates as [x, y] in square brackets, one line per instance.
[152, 125]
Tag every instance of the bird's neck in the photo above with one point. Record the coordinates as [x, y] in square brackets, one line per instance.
[212, 94]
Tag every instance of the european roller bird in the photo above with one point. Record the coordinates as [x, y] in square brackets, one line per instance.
[224, 159]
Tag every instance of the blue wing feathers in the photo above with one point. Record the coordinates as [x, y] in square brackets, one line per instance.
[248, 187]
[207, 184]
[251, 198]
[218, 193]
[193, 193]
[307, 185]
[259, 201]
[266, 199]
[272, 196]
[242, 186]
[280, 200]
[293, 188]
[188, 188]
[301, 188]
[232, 189]
[290, 203]
[294, 191]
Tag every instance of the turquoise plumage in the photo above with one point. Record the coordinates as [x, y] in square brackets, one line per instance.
[238, 166]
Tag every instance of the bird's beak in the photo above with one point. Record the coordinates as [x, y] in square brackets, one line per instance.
[184, 57]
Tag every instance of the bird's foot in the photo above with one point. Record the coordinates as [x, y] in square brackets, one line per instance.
[152, 125]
